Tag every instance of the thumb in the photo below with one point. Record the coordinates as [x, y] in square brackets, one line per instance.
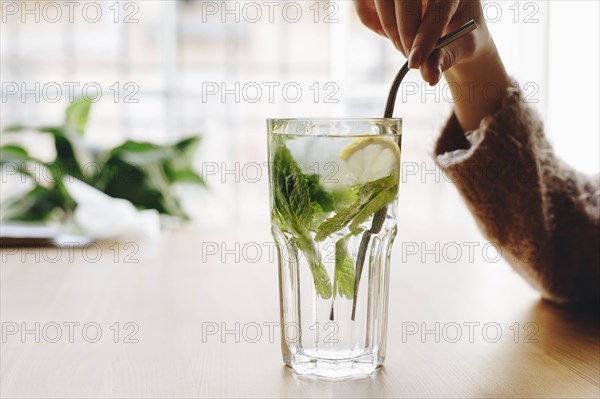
[439, 61]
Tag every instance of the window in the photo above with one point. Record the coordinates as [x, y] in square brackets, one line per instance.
[169, 68]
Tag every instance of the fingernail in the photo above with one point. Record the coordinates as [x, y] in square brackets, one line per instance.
[414, 59]
[438, 76]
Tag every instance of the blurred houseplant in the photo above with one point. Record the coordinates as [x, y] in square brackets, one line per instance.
[140, 172]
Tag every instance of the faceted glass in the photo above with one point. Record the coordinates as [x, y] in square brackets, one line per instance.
[333, 193]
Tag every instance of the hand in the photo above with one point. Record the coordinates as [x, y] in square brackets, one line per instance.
[414, 26]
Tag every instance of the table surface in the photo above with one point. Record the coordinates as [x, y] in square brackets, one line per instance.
[162, 295]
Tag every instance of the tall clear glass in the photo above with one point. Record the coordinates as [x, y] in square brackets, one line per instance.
[334, 191]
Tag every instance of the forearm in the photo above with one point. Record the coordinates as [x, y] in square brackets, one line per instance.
[477, 87]
[543, 215]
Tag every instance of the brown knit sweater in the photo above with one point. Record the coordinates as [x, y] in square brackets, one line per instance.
[542, 214]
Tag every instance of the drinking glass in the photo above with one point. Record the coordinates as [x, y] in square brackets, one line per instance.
[333, 195]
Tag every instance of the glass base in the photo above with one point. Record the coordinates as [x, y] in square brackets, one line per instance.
[355, 367]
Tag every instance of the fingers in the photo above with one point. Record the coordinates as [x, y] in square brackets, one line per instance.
[431, 68]
[408, 18]
[435, 21]
[441, 60]
[387, 17]
[365, 9]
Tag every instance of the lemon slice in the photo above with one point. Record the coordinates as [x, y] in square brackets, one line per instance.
[371, 158]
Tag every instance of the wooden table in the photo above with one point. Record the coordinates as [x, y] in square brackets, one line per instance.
[181, 289]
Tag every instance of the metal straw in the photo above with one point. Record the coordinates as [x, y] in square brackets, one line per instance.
[379, 217]
[444, 41]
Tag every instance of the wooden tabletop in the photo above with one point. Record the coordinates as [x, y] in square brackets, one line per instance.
[181, 318]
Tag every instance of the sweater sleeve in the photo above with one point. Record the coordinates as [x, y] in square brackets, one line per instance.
[543, 215]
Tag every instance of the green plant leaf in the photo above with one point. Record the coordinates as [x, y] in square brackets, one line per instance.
[143, 173]
[319, 273]
[15, 157]
[66, 159]
[185, 176]
[68, 154]
[139, 153]
[188, 147]
[337, 222]
[140, 172]
[11, 153]
[179, 166]
[18, 157]
[294, 208]
[319, 195]
[133, 182]
[41, 202]
[55, 131]
[15, 128]
[38, 204]
[291, 192]
[372, 195]
[377, 202]
[343, 276]
[76, 115]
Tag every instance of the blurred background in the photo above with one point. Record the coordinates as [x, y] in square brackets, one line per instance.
[159, 71]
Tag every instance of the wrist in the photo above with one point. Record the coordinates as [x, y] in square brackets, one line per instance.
[486, 68]
[485, 58]
[478, 85]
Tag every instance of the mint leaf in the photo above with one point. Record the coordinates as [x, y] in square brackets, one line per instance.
[319, 195]
[343, 276]
[375, 187]
[376, 203]
[320, 276]
[371, 197]
[337, 222]
[291, 192]
[296, 197]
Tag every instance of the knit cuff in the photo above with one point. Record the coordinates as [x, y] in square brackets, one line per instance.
[455, 145]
